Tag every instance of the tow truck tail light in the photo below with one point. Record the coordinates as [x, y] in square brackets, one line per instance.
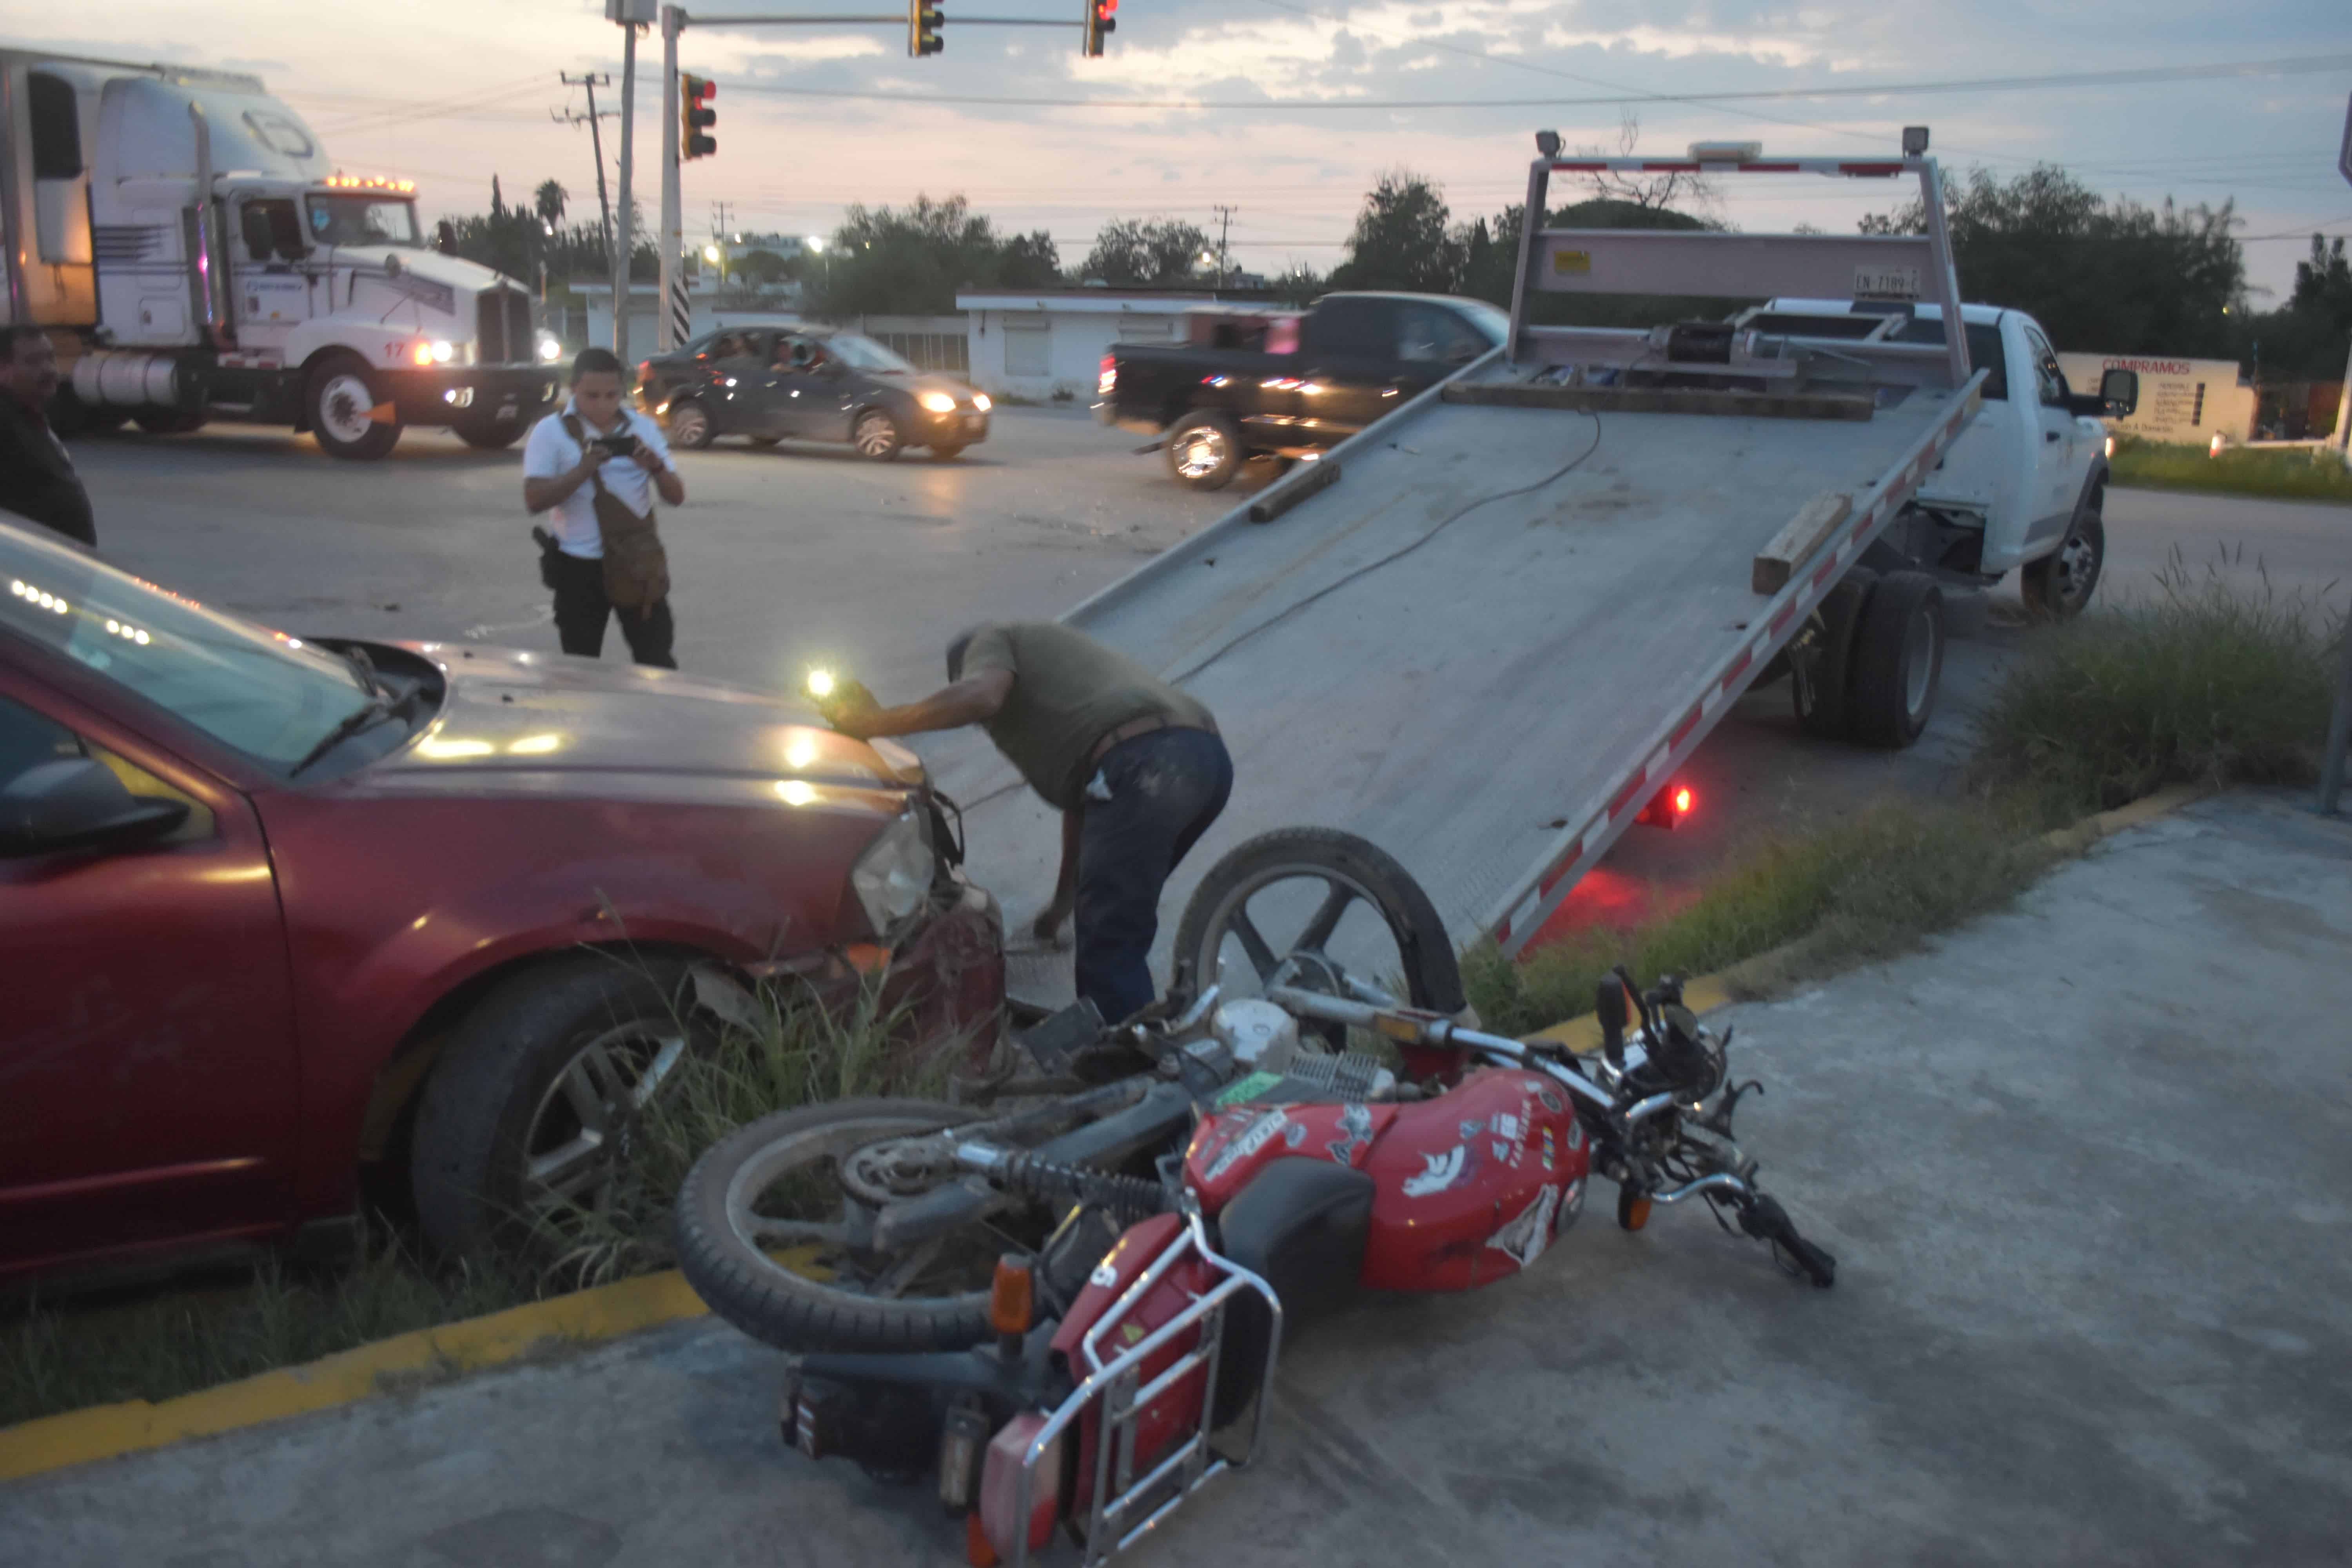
[1107, 382]
[1669, 806]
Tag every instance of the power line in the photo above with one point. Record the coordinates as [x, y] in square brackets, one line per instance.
[2249, 70]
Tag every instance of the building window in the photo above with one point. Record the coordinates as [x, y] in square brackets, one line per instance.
[1028, 352]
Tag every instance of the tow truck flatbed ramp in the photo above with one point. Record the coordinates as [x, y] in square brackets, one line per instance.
[1487, 635]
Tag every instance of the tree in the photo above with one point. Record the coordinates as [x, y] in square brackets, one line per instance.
[1673, 190]
[1134, 251]
[763, 268]
[1030, 260]
[2111, 277]
[913, 259]
[1298, 285]
[549, 200]
[1401, 240]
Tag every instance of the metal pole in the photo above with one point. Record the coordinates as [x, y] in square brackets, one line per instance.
[596, 145]
[2339, 729]
[673, 220]
[2343, 442]
[624, 242]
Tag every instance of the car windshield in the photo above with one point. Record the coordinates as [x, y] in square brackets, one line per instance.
[363, 220]
[1493, 324]
[267, 695]
[864, 353]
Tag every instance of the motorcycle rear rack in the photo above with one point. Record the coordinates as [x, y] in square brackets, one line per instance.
[1119, 1386]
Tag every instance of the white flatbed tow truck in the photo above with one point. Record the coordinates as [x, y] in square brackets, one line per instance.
[1486, 631]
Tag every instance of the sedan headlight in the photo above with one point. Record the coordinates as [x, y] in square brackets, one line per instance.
[979, 401]
[893, 877]
[937, 402]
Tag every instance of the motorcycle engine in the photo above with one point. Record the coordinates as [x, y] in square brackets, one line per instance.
[1261, 1036]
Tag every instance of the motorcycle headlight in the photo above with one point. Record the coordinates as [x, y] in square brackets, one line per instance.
[893, 877]
[938, 401]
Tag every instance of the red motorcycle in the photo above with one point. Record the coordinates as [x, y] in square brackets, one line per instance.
[1117, 1362]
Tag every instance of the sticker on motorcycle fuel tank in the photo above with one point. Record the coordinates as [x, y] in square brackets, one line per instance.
[1355, 1132]
[1261, 1132]
[1296, 1134]
[1551, 1101]
[1524, 1239]
[1250, 1088]
[1104, 1275]
[1444, 1170]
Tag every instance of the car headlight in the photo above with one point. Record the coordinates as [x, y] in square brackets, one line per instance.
[893, 877]
[550, 350]
[441, 351]
[979, 401]
[937, 402]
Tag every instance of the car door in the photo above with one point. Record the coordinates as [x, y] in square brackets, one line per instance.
[1433, 342]
[808, 396]
[272, 286]
[2058, 454]
[149, 1079]
[1352, 365]
[738, 394]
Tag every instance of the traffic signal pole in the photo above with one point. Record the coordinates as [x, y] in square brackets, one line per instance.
[922, 19]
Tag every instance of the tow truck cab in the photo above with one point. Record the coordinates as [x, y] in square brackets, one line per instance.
[2030, 465]
[196, 255]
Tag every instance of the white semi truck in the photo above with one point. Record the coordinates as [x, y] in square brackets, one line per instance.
[194, 255]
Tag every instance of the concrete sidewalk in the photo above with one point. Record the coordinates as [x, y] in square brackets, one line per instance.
[2086, 1166]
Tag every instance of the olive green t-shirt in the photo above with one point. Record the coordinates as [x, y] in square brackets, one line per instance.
[1069, 692]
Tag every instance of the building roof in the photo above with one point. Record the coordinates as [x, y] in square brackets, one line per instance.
[1106, 301]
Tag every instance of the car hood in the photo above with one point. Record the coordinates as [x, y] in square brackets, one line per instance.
[575, 726]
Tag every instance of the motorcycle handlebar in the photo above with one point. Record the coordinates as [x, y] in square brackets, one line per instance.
[1410, 1027]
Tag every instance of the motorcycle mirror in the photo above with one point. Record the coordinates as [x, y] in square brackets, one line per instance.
[1608, 1006]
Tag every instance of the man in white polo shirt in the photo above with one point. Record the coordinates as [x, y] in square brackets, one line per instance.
[626, 451]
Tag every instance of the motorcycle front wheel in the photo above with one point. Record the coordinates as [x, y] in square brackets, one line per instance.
[769, 1235]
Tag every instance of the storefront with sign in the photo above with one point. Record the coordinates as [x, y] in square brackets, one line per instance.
[2187, 402]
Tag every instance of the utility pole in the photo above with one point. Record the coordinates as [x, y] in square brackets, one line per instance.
[668, 332]
[1225, 227]
[595, 141]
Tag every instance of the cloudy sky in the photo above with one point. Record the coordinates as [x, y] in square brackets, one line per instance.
[449, 91]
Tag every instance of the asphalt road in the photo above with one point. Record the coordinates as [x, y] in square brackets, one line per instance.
[2091, 1225]
[809, 555]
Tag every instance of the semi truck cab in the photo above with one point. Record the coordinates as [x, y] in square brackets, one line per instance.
[196, 255]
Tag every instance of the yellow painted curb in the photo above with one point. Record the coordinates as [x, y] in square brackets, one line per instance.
[106, 1431]
[1709, 992]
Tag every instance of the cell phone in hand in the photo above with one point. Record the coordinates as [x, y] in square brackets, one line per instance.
[620, 444]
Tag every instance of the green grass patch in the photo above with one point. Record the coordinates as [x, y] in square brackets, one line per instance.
[2202, 683]
[68, 1353]
[2286, 475]
[1868, 886]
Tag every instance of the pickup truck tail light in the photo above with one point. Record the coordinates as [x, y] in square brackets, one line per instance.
[1107, 381]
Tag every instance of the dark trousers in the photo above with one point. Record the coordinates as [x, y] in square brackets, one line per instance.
[582, 610]
[1166, 788]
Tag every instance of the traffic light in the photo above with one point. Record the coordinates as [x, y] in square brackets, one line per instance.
[696, 116]
[924, 19]
[1102, 21]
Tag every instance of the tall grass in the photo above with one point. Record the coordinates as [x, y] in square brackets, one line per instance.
[2288, 475]
[2203, 683]
[777, 1053]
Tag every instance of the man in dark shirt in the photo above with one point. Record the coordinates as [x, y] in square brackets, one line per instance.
[1134, 765]
[36, 479]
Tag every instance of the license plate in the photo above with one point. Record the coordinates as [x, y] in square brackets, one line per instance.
[974, 421]
[1886, 283]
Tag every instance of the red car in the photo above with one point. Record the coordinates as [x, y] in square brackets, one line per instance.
[273, 911]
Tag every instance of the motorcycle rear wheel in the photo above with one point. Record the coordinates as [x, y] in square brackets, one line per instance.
[795, 1281]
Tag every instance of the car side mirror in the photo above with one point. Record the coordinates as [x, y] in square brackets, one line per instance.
[2119, 390]
[77, 803]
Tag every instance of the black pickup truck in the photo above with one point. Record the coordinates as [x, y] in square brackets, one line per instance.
[1288, 384]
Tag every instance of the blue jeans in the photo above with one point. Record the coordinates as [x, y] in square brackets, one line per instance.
[1166, 788]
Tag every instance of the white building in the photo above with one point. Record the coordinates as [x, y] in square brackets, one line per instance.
[1049, 341]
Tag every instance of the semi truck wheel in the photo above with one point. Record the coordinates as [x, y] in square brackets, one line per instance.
[1898, 660]
[488, 434]
[1204, 451]
[343, 396]
[1821, 657]
[2059, 585]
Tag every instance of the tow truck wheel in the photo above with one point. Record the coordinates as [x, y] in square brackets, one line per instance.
[1204, 451]
[343, 394]
[1820, 657]
[1898, 660]
[2058, 586]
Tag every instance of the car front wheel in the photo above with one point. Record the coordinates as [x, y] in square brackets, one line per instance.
[690, 426]
[538, 1102]
[876, 435]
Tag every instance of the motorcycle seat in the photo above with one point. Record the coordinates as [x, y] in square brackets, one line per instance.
[1300, 1225]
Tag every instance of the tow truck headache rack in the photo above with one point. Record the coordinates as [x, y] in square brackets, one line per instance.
[1486, 631]
[1127, 1507]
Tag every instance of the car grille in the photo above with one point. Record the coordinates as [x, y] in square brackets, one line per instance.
[503, 330]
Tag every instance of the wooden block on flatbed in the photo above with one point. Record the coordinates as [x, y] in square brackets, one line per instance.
[1804, 534]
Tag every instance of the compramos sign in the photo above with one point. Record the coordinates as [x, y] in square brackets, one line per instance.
[2188, 401]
